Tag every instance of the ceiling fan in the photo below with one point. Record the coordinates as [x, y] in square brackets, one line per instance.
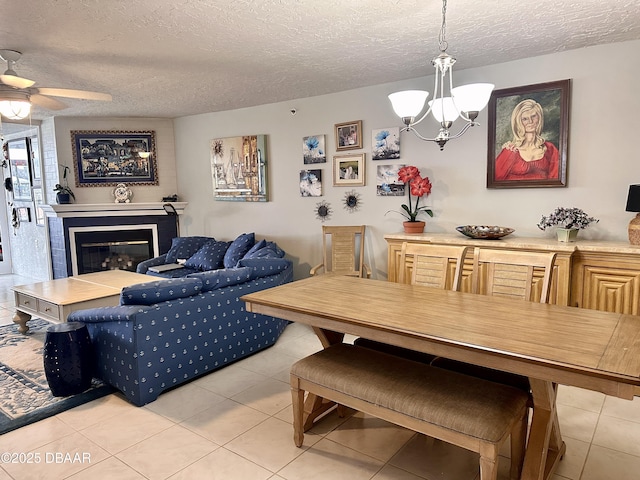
[18, 93]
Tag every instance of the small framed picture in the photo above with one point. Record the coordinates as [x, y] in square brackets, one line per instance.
[349, 135]
[24, 214]
[348, 170]
[38, 200]
[311, 183]
[387, 182]
[385, 143]
[313, 149]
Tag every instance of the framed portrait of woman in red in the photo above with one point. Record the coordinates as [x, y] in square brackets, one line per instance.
[528, 136]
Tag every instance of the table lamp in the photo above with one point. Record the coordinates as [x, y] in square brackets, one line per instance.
[633, 205]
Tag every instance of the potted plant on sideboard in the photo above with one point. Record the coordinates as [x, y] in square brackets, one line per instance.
[568, 220]
[418, 187]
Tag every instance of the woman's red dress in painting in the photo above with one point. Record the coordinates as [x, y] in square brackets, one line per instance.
[511, 166]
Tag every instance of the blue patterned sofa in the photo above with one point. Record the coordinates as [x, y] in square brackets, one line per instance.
[167, 332]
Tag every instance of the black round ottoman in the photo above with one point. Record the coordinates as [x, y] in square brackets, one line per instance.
[68, 359]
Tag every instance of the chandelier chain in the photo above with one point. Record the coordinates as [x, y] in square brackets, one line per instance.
[442, 41]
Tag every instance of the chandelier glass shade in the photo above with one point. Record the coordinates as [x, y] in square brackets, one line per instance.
[448, 103]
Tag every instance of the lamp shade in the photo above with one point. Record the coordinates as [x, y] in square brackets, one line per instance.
[14, 109]
[473, 97]
[444, 109]
[633, 199]
[408, 103]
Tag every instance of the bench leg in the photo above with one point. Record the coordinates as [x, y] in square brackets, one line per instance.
[297, 397]
[488, 468]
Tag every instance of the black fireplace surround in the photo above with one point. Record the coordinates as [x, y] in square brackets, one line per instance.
[61, 251]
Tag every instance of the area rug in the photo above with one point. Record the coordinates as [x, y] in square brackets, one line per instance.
[25, 396]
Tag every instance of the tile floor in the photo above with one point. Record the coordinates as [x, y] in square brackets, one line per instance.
[235, 424]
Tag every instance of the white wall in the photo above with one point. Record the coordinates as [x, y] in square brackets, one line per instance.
[601, 161]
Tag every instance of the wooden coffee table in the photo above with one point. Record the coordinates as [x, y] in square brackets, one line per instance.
[54, 300]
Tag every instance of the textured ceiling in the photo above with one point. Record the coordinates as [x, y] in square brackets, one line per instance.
[170, 58]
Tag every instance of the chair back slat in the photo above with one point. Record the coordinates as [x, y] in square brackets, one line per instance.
[513, 274]
[437, 266]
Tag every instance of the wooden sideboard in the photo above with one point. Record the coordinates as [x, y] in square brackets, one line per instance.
[601, 275]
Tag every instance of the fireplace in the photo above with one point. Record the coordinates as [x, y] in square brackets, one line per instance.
[112, 248]
[86, 238]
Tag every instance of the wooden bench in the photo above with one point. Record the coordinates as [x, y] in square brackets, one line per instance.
[472, 413]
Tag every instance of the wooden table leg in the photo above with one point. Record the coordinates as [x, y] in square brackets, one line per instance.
[20, 318]
[328, 337]
[545, 447]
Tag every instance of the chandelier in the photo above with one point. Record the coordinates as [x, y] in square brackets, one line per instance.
[464, 101]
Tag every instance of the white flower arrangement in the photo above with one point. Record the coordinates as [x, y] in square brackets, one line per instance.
[566, 218]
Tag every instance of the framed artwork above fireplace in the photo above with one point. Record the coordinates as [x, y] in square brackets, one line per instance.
[107, 158]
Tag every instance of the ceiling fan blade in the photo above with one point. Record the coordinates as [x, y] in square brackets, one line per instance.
[15, 81]
[46, 102]
[68, 93]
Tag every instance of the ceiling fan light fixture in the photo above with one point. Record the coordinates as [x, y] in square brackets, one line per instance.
[14, 104]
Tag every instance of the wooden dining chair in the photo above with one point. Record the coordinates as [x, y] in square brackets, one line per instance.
[521, 275]
[343, 251]
[437, 266]
[518, 275]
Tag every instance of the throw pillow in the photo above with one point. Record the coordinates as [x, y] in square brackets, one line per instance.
[263, 267]
[238, 248]
[150, 293]
[224, 277]
[209, 257]
[279, 252]
[184, 247]
[261, 244]
[270, 250]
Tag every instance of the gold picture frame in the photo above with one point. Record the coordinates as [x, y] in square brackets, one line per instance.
[348, 135]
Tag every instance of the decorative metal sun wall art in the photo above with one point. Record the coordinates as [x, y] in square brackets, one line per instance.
[351, 201]
[323, 210]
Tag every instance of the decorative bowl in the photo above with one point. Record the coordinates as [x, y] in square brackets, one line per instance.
[485, 232]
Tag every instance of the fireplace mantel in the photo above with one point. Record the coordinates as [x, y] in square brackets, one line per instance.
[75, 210]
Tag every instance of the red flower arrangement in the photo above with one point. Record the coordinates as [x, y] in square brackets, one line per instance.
[418, 187]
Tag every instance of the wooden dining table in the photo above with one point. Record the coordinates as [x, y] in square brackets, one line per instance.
[550, 344]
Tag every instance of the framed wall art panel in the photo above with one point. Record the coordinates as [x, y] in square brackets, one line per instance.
[528, 136]
[348, 170]
[107, 158]
[385, 143]
[239, 168]
[313, 149]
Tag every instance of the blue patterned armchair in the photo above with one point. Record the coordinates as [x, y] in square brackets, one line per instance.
[167, 332]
